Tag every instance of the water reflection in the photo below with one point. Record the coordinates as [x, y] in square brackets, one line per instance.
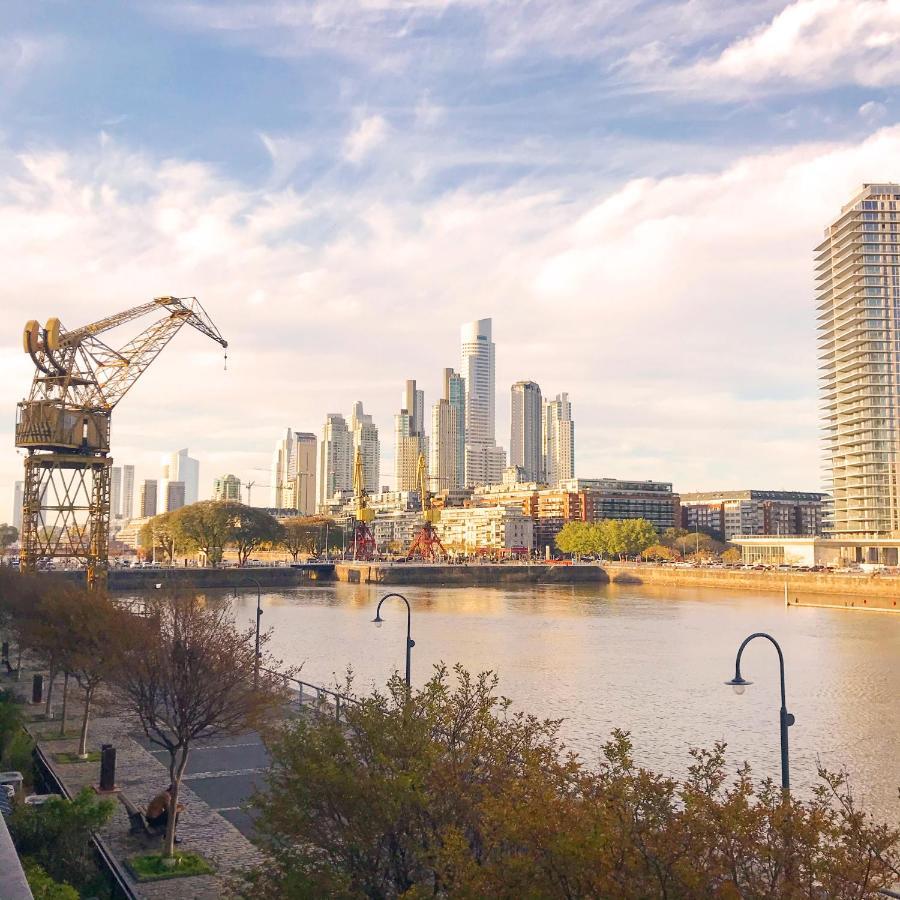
[650, 660]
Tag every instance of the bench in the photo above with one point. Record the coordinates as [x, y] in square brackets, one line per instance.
[137, 818]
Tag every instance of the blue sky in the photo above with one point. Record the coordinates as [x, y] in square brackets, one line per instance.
[631, 190]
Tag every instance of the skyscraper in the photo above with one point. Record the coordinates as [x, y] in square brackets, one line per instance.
[335, 458]
[365, 439]
[179, 466]
[115, 492]
[174, 496]
[558, 431]
[127, 492]
[413, 401]
[408, 445]
[148, 498]
[448, 435]
[858, 299]
[484, 460]
[227, 487]
[17, 505]
[526, 429]
[303, 472]
[455, 395]
[279, 481]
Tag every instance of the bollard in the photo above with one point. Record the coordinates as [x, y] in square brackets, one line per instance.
[107, 768]
[37, 689]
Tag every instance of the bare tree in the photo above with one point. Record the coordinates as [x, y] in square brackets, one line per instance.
[188, 674]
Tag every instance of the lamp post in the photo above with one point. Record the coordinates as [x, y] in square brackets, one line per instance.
[786, 719]
[410, 643]
[259, 613]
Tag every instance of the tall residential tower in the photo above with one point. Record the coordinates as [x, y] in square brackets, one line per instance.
[858, 296]
[484, 460]
[558, 440]
[526, 430]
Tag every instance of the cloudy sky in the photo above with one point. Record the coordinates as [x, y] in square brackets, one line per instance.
[632, 190]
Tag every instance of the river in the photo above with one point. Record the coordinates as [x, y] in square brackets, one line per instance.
[648, 660]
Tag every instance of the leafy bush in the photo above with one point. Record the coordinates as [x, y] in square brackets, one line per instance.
[43, 886]
[10, 720]
[450, 793]
[57, 834]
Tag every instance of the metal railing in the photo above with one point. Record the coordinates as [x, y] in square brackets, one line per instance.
[315, 698]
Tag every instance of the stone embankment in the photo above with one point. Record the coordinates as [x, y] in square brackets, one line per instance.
[485, 574]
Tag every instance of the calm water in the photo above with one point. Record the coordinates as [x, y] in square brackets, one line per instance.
[648, 660]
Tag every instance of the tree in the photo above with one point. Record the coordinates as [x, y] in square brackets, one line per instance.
[732, 556]
[610, 538]
[576, 538]
[302, 534]
[252, 528]
[207, 526]
[447, 792]
[187, 673]
[162, 531]
[8, 535]
[637, 535]
[660, 553]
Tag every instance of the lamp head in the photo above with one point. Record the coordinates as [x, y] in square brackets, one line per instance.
[377, 621]
[739, 684]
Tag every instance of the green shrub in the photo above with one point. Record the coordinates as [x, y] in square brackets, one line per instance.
[18, 756]
[43, 886]
[58, 833]
[10, 720]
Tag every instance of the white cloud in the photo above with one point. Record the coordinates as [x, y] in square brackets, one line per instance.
[365, 137]
[678, 312]
[872, 112]
[812, 43]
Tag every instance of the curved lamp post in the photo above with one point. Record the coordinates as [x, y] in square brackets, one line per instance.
[786, 719]
[410, 643]
[259, 613]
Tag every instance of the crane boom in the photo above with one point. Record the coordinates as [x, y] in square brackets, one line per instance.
[64, 425]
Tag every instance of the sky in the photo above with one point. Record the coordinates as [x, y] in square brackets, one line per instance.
[631, 191]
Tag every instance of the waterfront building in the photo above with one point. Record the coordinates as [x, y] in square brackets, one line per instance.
[487, 528]
[174, 495]
[395, 529]
[18, 489]
[148, 499]
[115, 493]
[613, 498]
[727, 514]
[858, 295]
[526, 429]
[558, 440]
[484, 460]
[129, 533]
[365, 439]
[227, 487]
[335, 458]
[127, 492]
[178, 466]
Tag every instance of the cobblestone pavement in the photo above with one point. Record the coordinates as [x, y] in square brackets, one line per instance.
[141, 774]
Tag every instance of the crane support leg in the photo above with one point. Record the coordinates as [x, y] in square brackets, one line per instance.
[65, 512]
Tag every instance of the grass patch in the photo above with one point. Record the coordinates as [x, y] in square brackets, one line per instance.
[55, 736]
[150, 866]
[69, 758]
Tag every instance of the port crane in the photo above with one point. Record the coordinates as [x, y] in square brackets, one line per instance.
[64, 425]
[426, 544]
[363, 539]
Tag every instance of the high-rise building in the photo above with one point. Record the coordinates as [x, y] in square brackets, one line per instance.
[409, 445]
[413, 401]
[335, 458]
[174, 496]
[455, 395]
[127, 492]
[227, 487]
[443, 472]
[525, 439]
[280, 479]
[558, 432]
[365, 439]
[17, 505]
[484, 460]
[179, 466]
[303, 472]
[148, 498]
[115, 492]
[858, 298]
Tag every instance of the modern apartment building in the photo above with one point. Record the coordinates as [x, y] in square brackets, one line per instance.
[115, 493]
[558, 436]
[148, 498]
[303, 472]
[726, 514]
[174, 496]
[442, 471]
[409, 444]
[335, 458]
[127, 492]
[227, 487]
[613, 498]
[858, 303]
[490, 528]
[526, 448]
[413, 401]
[455, 395]
[365, 439]
[484, 460]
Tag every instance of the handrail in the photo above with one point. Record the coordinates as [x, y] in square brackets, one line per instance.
[331, 698]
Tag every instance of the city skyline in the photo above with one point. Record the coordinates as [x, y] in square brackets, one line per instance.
[626, 228]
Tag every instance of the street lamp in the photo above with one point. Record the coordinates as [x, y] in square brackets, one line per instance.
[259, 613]
[740, 684]
[410, 643]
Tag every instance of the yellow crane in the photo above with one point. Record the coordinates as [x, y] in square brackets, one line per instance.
[64, 426]
[426, 544]
[363, 539]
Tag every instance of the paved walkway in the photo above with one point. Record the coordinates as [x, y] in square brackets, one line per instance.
[141, 774]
